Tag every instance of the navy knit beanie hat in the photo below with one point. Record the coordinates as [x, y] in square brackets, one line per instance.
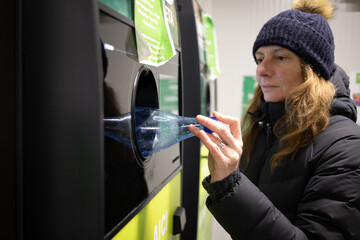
[306, 34]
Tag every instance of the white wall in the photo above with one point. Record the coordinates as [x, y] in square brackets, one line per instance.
[237, 23]
[346, 30]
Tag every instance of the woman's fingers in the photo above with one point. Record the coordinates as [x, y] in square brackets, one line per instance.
[233, 137]
[209, 140]
[232, 122]
[225, 152]
[225, 145]
[223, 160]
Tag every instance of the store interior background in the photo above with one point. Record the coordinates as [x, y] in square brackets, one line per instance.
[237, 23]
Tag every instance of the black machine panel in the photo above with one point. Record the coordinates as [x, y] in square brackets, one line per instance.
[130, 179]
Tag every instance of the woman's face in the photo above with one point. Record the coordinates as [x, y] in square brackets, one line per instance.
[278, 72]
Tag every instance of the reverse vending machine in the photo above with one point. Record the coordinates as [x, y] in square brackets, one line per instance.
[69, 65]
[142, 193]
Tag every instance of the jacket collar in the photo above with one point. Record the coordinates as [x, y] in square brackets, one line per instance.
[342, 103]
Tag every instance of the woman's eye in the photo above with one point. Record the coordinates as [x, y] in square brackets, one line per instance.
[280, 58]
[258, 61]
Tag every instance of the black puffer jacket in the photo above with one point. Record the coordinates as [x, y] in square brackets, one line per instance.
[317, 196]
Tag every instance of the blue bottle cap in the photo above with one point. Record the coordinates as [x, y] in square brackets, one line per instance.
[208, 130]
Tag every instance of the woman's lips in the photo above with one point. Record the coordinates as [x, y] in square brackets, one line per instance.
[268, 86]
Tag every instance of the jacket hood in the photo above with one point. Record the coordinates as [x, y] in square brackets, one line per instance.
[342, 103]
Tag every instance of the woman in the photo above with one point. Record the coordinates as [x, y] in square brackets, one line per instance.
[294, 170]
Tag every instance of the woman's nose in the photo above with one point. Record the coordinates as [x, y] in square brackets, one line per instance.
[264, 67]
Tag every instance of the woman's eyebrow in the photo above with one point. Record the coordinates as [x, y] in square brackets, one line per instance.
[277, 50]
[258, 53]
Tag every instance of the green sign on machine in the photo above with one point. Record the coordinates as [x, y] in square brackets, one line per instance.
[249, 85]
[153, 36]
[169, 94]
[210, 45]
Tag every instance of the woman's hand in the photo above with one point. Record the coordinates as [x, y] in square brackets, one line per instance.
[225, 149]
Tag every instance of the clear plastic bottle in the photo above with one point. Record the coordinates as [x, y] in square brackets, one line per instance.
[155, 129]
[119, 128]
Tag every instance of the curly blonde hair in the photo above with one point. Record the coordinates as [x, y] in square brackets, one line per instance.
[307, 114]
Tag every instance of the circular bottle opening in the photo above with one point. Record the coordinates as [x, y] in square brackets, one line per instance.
[144, 94]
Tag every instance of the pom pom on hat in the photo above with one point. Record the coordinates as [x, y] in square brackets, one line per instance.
[305, 31]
